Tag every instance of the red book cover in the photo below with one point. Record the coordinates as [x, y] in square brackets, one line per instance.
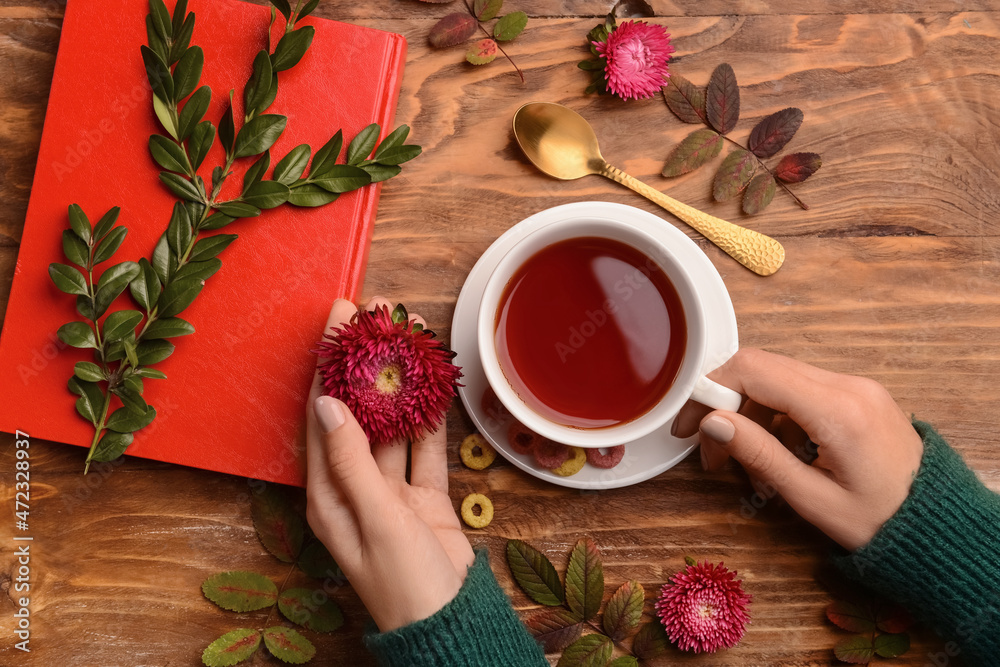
[235, 395]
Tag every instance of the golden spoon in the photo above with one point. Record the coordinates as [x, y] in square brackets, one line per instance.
[562, 144]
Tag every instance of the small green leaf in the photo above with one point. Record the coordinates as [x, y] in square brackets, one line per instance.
[132, 400]
[180, 13]
[161, 18]
[77, 334]
[231, 648]
[68, 279]
[327, 156]
[510, 26]
[151, 352]
[289, 646]
[342, 178]
[279, 526]
[266, 194]
[399, 154]
[585, 580]
[182, 39]
[91, 400]
[145, 287]
[272, 94]
[180, 186]
[156, 43]
[227, 127]
[482, 52]
[75, 248]
[858, 650]
[165, 116]
[151, 373]
[307, 10]
[587, 651]
[257, 86]
[851, 617]
[216, 221]
[759, 193]
[378, 172]
[363, 144]
[109, 245]
[111, 446]
[79, 223]
[200, 142]
[399, 314]
[85, 306]
[113, 282]
[106, 222]
[187, 73]
[534, 573]
[241, 591]
[317, 562]
[211, 246]
[119, 323]
[691, 562]
[192, 113]
[88, 371]
[177, 296]
[237, 209]
[290, 167]
[624, 610]
[734, 174]
[168, 154]
[124, 420]
[395, 138]
[256, 171]
[892, 645]
[259, 134]
[650, 642]
[179, 230]
[162, 261]
[695, 150]
[159, 76]
[199, 270]
[310, 195]
[486, 9]
[129, 346]
[291, 47]
[283, 7]
[133, 382]
[312, 609]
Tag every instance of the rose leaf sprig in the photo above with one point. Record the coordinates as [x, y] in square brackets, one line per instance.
[743, 170]
[283, 531]
[459, 27]
[879, 627]
[129, 342]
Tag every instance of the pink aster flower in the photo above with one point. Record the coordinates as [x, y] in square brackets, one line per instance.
[704, 608]
[636, 56]
[394, 376]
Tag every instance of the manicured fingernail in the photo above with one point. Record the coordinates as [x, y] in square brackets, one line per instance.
[329, 413]
[704, 459]
[719, 429]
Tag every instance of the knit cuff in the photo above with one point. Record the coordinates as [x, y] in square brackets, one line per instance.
[939, 555]
[477, 629]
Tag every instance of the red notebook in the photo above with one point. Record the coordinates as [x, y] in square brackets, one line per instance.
[235, 396]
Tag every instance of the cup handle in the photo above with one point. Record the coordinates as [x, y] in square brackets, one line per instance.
[714, 395]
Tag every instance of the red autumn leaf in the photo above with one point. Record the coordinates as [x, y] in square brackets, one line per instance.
[893, 619]
[587, 651]
[287, 645]
[239, 590]
[554, 628]
[858, 650]
[452, 30]
[773, 132]
[482, 52]
[892, 645]
[759, 193]
[695, 150]
[650, 642]
[797, 167]
[624, 609]
[685, 99]
[734, 174]
[722, 100]
[279, 526]
[850, 616]
[585, 579]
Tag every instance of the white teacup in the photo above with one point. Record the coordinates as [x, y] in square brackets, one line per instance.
[689, 382]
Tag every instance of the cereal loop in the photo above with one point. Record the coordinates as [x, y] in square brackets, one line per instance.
[573, 464]
[522, 439]
[485, 513]
[609, 460]
[549, 454]
[483, 459]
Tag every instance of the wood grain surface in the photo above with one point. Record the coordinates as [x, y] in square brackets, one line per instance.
[893, 274]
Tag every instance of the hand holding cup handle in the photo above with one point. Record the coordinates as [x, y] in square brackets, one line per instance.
[714, 395]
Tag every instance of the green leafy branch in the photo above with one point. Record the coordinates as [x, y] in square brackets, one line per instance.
[576, 605]
[282, 530]
[130, 341]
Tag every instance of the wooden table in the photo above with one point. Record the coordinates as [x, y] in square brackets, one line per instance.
[891, 274]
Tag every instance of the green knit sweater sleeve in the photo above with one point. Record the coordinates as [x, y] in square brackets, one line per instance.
[939, 555]
[477, 629]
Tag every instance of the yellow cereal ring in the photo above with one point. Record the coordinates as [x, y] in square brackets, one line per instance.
[573, 464]
[475, 461]
[485, 507]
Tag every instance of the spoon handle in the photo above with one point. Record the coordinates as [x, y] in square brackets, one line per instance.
[758, 252]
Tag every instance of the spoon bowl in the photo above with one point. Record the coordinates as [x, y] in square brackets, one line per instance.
[562, 144]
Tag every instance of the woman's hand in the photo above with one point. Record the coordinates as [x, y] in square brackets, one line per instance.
[865, 450]
[399, 543]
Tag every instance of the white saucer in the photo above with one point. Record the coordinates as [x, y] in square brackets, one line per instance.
[646, 457]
